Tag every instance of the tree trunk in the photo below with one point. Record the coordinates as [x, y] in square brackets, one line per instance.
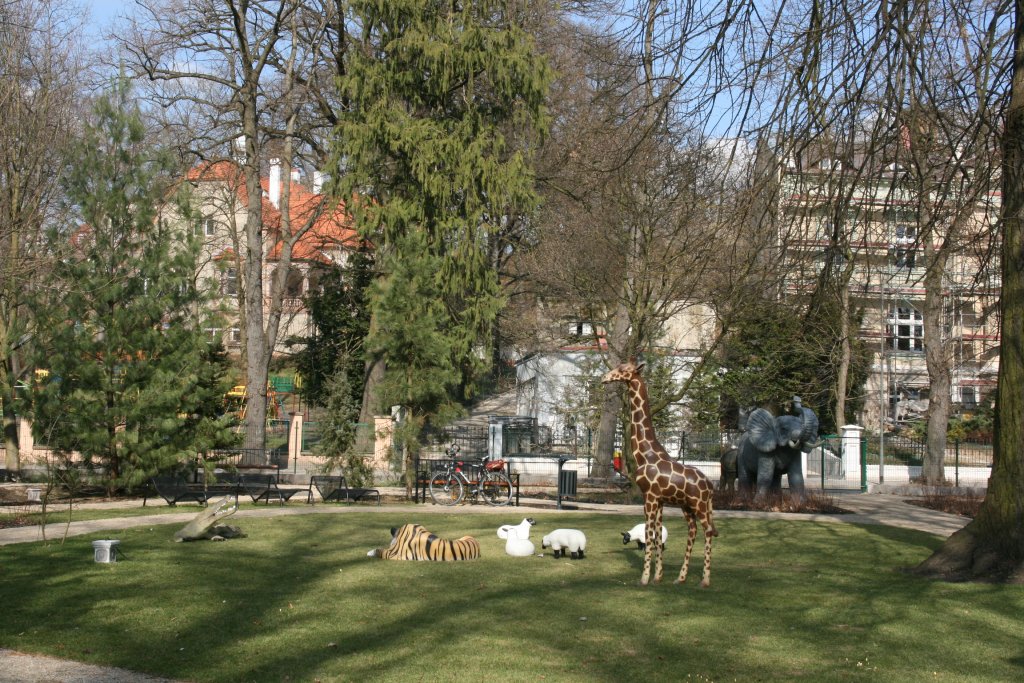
[992, 546]
[257, 356]
[12, 454]
[611, 411]
[372, 378]
[619, 346]
[845, 353]
[938, 362]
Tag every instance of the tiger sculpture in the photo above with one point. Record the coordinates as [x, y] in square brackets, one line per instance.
[413, 542]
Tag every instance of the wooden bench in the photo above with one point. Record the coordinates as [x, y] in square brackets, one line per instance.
[333, 488]
[264, 487]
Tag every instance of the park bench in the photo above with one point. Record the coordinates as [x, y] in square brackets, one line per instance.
[264, 487]
[175, 488]
[333, 488]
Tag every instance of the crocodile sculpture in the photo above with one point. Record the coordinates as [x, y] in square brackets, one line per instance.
[205, 525]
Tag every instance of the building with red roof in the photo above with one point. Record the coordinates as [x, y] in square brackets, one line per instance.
[319, 231]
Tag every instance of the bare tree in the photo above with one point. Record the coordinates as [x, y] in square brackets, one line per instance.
[256, 72]
[992, 545]
[952, 95]
[639, 228]
[38, 90]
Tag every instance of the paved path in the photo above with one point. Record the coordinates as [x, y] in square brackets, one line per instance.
[866, 508]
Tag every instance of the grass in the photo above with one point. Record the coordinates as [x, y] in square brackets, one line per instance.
[299, 600]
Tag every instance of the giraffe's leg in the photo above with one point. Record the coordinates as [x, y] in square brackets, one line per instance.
[649, 511]
[709, 533]
[654, 536]
[691, 523]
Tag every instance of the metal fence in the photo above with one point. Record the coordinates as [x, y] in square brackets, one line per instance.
[472, 441]
[899, 459]
[250, 457]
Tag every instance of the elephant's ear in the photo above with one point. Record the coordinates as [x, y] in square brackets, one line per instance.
[761, 430]
[809, 433]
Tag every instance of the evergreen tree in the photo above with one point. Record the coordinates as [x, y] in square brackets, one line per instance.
[133, 384]
[432, 93]
[340, 320]
[339, 429]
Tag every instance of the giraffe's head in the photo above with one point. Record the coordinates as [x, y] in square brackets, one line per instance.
[625, 372]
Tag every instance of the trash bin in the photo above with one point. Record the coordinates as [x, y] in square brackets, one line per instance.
[105, 551]
[567, 483]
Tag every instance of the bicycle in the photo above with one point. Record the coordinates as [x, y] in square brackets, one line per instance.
[451, 485]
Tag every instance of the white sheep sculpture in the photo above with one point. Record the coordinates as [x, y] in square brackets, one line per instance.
[518, 547]
[561, 540]
[639, 534]
[522, 529]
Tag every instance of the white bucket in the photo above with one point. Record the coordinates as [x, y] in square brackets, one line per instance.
[105, 551]
[34, 495]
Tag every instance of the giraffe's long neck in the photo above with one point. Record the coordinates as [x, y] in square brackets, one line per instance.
[643, 441]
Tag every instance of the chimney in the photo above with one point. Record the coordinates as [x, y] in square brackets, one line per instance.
[274, 191]
[238, 149]
[318, 182]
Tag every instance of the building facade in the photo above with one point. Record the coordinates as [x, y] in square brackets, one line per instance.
[886, 235]
[323, 236]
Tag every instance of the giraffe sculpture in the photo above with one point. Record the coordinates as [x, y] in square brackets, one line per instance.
[663, 480]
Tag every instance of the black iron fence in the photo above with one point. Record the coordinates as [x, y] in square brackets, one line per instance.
[895, 457]
[249, 458]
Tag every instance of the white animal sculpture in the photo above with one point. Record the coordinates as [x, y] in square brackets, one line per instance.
[518, 547]
[561, 540]
[638, 534]
[522, 529]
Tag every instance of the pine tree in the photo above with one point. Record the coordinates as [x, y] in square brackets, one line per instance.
[132, 380]
[340, 319]
[339, 430]
[433, 93]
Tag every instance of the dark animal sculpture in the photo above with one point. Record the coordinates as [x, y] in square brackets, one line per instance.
[662, 480]
[413, 542]
[771, 447]
[727, 480]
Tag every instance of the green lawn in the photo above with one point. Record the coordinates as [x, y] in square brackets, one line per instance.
[299, 600]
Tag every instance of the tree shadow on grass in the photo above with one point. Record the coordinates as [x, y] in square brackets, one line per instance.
[299, 598]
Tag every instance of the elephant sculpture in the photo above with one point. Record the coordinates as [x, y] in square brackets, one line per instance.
[771, 447]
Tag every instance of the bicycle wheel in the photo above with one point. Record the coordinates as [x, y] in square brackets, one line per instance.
[496, 488]
[446, 489]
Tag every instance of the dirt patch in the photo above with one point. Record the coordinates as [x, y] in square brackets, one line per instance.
[963, 505]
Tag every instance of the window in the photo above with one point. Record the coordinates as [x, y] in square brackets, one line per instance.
[206, 226]
[901, 246]
[969, 397]
[229, 282]
[234, 337]
[905, 234]
[904, 329]
[293, 285]
[903, 258]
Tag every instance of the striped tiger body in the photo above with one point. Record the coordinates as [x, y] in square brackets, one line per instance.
[413, 542]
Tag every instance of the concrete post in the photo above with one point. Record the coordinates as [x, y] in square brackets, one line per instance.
[850, 443]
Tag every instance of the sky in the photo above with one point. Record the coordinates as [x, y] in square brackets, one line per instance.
[104, 11]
